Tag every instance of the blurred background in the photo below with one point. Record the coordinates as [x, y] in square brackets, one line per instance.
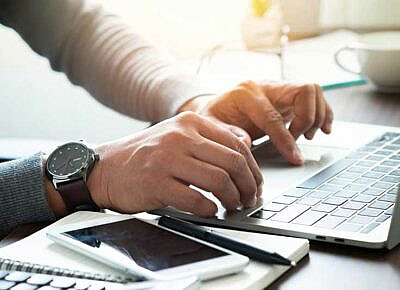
[39, 103]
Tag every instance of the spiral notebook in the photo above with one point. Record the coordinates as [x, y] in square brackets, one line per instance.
[38, 249]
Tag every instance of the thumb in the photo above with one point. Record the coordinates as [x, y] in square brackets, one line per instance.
[241, 134]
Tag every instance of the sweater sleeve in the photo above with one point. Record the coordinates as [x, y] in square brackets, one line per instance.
[96, 51]
[22, 196]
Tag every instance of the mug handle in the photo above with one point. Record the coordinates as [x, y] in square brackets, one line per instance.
[337, 59]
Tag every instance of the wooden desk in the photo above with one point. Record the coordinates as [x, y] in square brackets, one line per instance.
[332, 266]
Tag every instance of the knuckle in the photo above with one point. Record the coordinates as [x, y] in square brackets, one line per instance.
[188, 117]
[274, 116]
[238, 162]
[221, 178]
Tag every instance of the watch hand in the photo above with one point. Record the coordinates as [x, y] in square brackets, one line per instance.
[59, 166]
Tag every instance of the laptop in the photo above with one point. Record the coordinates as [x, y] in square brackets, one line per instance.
[347, 193]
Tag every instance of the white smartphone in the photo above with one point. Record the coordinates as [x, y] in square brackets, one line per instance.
[142, 249]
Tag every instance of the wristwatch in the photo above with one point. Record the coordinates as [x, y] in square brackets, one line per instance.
[68, 167]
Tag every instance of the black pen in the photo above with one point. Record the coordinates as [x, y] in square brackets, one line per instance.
[223, 241]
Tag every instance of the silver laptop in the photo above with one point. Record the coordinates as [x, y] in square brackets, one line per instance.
[352, 201]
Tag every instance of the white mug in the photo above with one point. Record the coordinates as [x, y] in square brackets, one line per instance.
[379, 58]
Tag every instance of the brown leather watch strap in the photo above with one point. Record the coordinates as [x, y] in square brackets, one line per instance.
[76, 196]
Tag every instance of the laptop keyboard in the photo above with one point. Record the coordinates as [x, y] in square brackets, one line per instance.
[15, 280]
[355, 194]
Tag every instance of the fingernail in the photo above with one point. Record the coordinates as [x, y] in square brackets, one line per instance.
[253, 202]
[297, 155]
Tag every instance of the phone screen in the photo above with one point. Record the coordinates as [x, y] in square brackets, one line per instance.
[147, 245]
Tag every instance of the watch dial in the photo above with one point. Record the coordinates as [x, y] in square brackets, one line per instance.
[68, 159]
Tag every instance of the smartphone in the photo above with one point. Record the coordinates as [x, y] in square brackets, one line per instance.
[143, 249]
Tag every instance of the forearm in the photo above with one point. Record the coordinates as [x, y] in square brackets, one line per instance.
[22, 194]
[115, 65]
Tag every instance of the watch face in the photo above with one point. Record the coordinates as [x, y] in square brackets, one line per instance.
[68, 159]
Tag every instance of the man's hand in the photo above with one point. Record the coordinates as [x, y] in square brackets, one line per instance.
[265, 109]
[155, 167]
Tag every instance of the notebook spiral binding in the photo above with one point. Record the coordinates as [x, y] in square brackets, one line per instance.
[12, 265]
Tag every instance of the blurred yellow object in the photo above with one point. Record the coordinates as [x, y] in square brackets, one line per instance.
[260, 6]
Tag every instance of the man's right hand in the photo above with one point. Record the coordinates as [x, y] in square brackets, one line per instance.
[154, 168]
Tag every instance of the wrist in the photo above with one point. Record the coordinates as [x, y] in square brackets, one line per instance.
[54, 198]
[197, 104]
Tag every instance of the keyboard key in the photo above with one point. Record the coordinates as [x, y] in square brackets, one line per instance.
[339, 181]
[4, 285]
[373, 191]
[374, 175]
[382, 185]
[308, 201]
[62, 282]
[363, 198]
[17, 276]
[391, 179]
[96, 287]
[382, 169]
[349, 227]
[361, 220]
[345, 193]
[324, 207]
[329, 188]
[262, 214]
[309, 218]
[353, 205]
[382, 218]
[272, 206]
[364, 181]
[370, 212]
[326, 174]
[24, 286]
[349, 175]
[381, 205]
[319, 194]
[357, 169]
[356, 187]
[296, 192]
[369, 228]
[395, 173]
[335, 200]
[390, 163]
[389, 211]
[366, 149]
[392, 191]
[356, 155]
[290, 213]
[3, 274]
[39, 279]
[383, 152]
[391, 147]
[395, 157]
[285, 200]
[388, 198]
[344, 212]
[375, 157]
[329, 222]
[366, 163]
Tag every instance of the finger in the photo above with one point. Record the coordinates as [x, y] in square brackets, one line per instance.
[327, 126]
[224, 137]
[304, 109]
[264, 116]
[187, 199]
[241, 134]
[232, 163]
[320, 113]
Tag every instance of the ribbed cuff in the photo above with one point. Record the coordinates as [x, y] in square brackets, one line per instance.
[22, 193]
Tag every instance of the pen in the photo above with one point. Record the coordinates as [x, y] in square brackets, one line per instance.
[234, 245]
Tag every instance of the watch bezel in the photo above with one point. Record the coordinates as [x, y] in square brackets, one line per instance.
[79, 173]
